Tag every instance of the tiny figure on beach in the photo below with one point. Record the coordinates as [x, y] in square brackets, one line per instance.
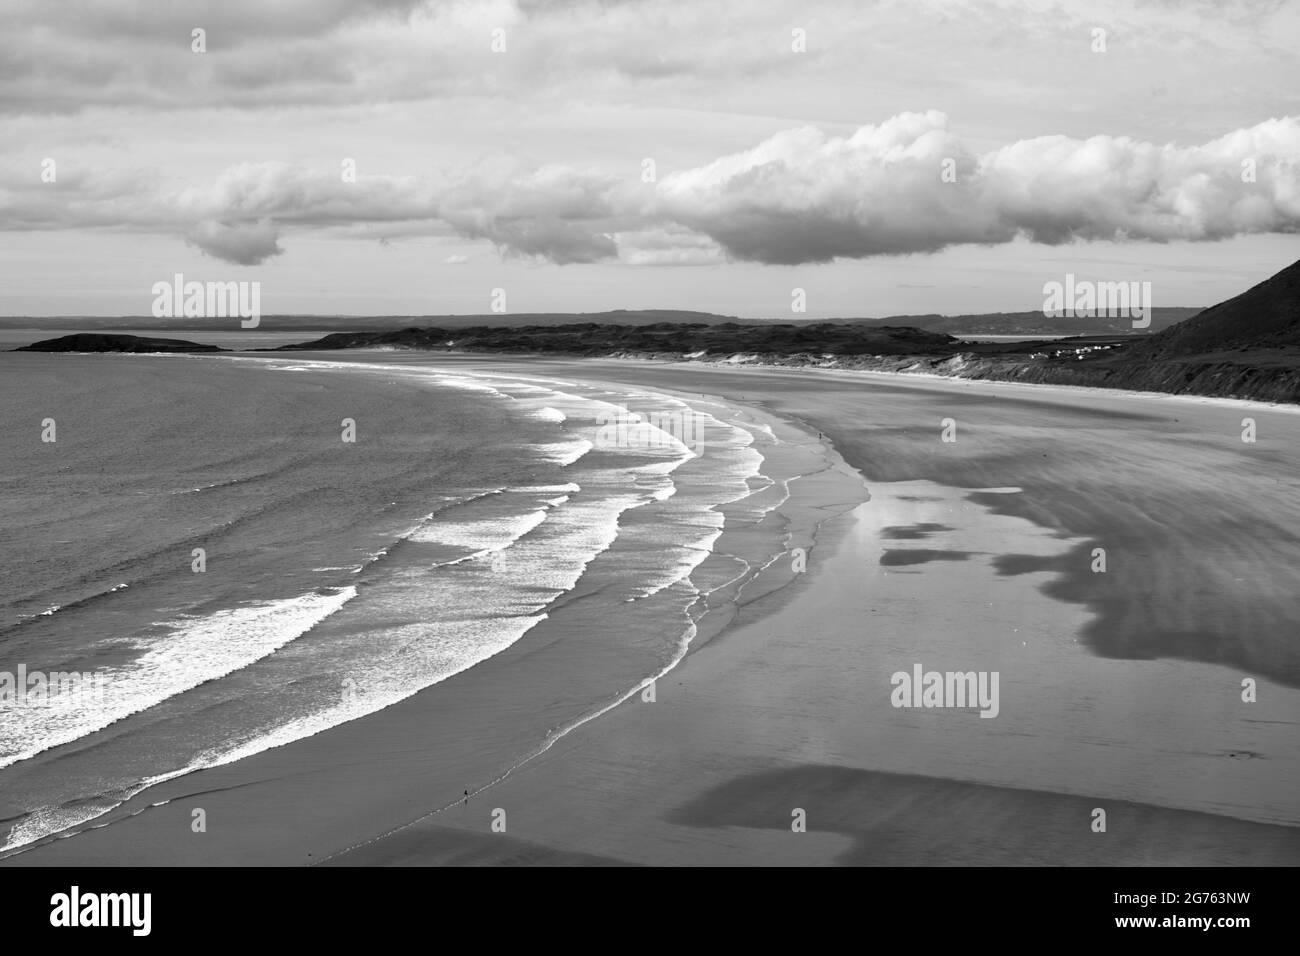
[467, 798]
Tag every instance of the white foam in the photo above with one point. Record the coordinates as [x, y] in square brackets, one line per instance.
[192, 651]
[46, 820]
[481, 535]
[476, 617]
[565, 452]
[427, 654]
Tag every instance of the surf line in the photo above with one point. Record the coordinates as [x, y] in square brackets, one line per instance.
[831, 459]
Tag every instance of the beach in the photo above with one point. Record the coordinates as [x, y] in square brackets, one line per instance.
[774, 737]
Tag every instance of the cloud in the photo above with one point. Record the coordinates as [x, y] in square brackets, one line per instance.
[907, 185]
[563, 243]
[552, 212]
[137, 53]
[1054, 189]
[803, 196]
[670, 246]
[77, 57]
[245, 244]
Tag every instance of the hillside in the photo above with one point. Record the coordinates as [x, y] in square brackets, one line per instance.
[1035, 323]
[1266, 316]
[664, 339]
[1245, 347]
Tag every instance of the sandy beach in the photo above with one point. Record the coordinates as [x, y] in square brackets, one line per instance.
[1120, 690]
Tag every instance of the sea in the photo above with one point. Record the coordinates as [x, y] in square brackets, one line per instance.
[242, 551]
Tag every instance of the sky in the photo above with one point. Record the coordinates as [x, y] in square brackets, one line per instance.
[415, 156]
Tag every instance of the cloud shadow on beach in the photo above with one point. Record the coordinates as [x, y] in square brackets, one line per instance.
[911, 820]
[913, 532]
[897, 557]
[1129, 624]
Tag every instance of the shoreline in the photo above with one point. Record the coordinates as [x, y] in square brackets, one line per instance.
[795, 688]
[887, 375]
[749, 362]
[711, 772]
[711, 621]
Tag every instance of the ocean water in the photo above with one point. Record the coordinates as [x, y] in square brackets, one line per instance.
[471, 511]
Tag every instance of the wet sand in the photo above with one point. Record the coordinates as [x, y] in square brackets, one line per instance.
[1120, 691]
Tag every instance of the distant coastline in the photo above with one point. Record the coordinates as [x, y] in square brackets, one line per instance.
[1247, 347]
[1108, 362]
[1022, 324]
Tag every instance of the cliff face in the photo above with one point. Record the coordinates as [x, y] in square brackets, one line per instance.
[1276, 381]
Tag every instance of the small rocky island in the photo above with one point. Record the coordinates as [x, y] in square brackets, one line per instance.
[106, 342]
